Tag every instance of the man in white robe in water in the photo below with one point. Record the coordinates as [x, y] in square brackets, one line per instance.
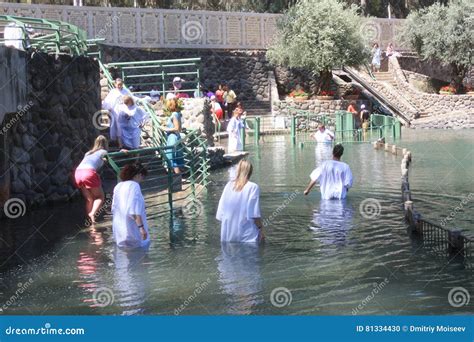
[111, 103]
[323, 135]
[334, 176]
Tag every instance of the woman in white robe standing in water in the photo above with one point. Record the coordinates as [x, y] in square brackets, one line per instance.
[239, 208]
[129, 222]
[234, 129]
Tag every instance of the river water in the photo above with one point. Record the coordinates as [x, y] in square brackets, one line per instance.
[320, 257]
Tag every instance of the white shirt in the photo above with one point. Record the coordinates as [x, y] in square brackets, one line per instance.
[324, 136]
[335, 177]
[127, 201]
[130, 119]
[170, 96]
[92, 161]
[237, 211]
[114, 98]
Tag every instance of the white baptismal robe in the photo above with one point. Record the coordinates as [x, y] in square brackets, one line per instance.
[110, 103]
[127, 201]
[237, 211]
[130, 119]
[335, 177]
[235, 140]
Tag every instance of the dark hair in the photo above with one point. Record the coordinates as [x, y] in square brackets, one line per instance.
[338, 150]
[131, 170]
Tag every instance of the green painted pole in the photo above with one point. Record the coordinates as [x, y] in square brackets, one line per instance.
[257, 130]
[242, 134]
[398, 129]
[293, 129]
[386, 124]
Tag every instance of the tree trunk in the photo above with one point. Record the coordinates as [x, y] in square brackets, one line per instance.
[324, 84]
[459, 72]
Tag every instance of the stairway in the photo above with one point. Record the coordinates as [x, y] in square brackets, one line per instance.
[385, 77]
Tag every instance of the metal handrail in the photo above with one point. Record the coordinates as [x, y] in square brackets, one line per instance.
[374, 93]
[53, 36]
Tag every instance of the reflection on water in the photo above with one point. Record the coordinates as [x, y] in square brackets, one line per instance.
[332, 221]
[240, 277]
[131, 279]
[326, 253]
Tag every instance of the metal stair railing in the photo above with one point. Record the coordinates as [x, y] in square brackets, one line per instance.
[382, 99]
[49, 36]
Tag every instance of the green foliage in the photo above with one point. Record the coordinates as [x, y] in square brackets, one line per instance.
[443, 33]
[319, 35]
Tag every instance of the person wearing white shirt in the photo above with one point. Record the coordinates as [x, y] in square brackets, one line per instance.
[129, 220]
[131, 119]
[239, 208]
[334, 176]
[323, 135]
[111, 102]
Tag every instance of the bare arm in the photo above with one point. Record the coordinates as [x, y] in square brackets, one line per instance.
[309, 187]
[138, 220]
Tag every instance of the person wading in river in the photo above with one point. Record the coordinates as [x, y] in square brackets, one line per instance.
[334, 176]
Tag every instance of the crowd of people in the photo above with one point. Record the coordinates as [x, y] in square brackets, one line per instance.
[239, 205]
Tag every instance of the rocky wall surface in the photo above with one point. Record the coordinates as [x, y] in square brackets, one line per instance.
[51, 134]
[316, 106]
[246, 72]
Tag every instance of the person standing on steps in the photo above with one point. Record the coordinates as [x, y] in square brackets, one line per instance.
[376, 57]
[234, 129]
[173, 130]
[87, 178]
[230, 99]
[131, 119]
[334, 176]
[113, 99]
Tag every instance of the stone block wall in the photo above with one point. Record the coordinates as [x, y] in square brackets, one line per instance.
[317, 106]
[55, 128]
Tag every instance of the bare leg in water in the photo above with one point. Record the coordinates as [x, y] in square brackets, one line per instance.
[89, 199]
[98, 200]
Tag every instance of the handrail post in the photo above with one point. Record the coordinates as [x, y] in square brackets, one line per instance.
[293, 129]
[257, 130]
[242, 134]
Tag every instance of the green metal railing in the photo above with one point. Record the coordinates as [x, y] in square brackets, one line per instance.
[159, 73]
[164, 190]
[303, 126]
[49, 36]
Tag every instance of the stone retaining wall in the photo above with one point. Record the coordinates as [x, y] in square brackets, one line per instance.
[316, 106]
[432, 104]
[56, 128]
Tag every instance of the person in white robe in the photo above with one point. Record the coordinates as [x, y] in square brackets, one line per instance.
[239, 208]
[114, 99]
[334, 176]
[323, 135]
[131, 118]
[129, 221]
[234, 129]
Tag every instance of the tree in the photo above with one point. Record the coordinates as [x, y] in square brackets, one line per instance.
[319, 35]
[445, 34]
